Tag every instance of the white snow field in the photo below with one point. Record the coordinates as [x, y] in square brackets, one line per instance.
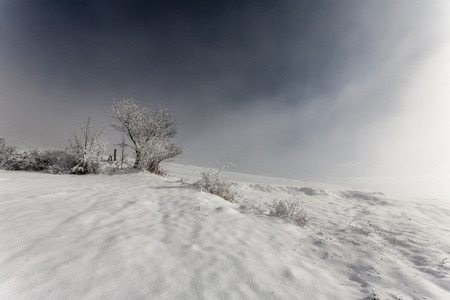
[141, 236]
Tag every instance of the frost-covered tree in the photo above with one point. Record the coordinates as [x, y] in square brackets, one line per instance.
[87, 148]
[151, 132]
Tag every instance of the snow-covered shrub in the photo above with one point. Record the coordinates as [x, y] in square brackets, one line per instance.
[290, 209]
[156, 151]
[10, 159]
[17, 161]
[53, 161]
[211, 183]
[87, 149]
[33, 160]
[5, 153]
[150, 132]
[61, 160]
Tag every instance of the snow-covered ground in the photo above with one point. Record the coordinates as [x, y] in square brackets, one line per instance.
[140, 236]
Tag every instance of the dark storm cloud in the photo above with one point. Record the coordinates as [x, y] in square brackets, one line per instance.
[284, 87]
[248, 49]
[198, 57]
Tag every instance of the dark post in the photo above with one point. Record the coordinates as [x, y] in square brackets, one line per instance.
[115, 154]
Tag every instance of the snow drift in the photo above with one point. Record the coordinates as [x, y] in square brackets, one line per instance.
[140, 236]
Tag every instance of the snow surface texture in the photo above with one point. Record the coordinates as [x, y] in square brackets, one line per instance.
[140, 236]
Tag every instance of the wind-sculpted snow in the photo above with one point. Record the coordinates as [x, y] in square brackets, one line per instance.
[140, 236]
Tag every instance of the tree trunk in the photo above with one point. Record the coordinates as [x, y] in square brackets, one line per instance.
[137, 162]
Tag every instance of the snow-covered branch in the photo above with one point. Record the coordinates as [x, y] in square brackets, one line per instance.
[149, 130]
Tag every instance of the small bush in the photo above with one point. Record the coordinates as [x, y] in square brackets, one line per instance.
[290, 209]
[81, 157]
[87, 149]
[29, 161]
[211, 183]
[5, 153]
[61, 161]
[156, 151]
[53, 161]
[18, 161]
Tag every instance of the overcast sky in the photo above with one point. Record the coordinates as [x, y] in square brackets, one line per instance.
[304, 89]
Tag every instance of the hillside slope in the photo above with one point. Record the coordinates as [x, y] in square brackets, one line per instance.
[140, 236]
